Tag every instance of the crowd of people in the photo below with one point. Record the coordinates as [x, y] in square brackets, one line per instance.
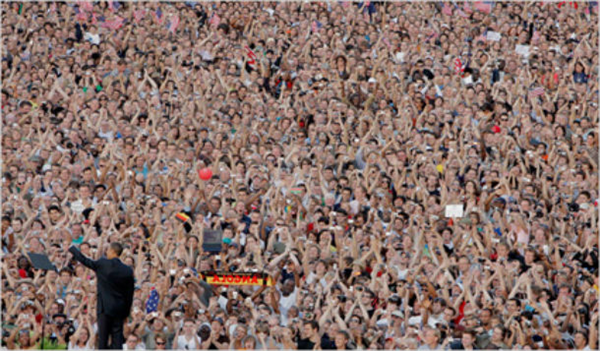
[337, 135]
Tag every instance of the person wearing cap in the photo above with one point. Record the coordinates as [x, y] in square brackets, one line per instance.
[153, 324]
[397, 324]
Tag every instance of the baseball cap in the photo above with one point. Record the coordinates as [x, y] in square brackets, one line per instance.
[398, 314]
[394, 299]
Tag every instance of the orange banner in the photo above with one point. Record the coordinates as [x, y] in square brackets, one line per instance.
[228, 278]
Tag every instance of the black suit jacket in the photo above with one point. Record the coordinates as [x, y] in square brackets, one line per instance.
[115, 284]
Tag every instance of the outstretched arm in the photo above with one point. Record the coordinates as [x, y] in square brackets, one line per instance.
[91, 264]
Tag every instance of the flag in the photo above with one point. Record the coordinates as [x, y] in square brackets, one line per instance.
[315, 26]
[21, 9]
[573, 4]
[458, 66]
[152, 302]
[113, 5]
[426, 251]
[185, 219]
[114, 24]
[182, 217]
[158, 15]
[174, 24]
[214, 19]
[480, 6]
[81, 16]
[251, 56]
[139, 15]
[447, 10]
[432, 35]
[85, 6]
[539, 91]
[467, 7]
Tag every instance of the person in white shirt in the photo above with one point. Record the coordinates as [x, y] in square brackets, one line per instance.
[582, 341]
[437, 312]
[92, 35]
[186, 338]
[82, 339]
[287, 298]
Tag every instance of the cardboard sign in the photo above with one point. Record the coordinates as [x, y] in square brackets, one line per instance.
[400, 56]
[493, 36]
[454, 211]
[243, 279]
[212, 240]
[522, 50]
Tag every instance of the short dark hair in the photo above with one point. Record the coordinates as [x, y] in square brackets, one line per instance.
[345, 334]
[517, 301]
[117, 248]
[313, 325]
[471, 332]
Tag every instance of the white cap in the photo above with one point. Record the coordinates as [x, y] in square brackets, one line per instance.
[398, 314]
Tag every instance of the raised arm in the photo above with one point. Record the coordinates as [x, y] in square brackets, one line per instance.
[89, 263]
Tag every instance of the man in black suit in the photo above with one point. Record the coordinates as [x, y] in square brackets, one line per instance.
[115, 287]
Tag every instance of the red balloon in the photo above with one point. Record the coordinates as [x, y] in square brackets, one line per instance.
[205, 173]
